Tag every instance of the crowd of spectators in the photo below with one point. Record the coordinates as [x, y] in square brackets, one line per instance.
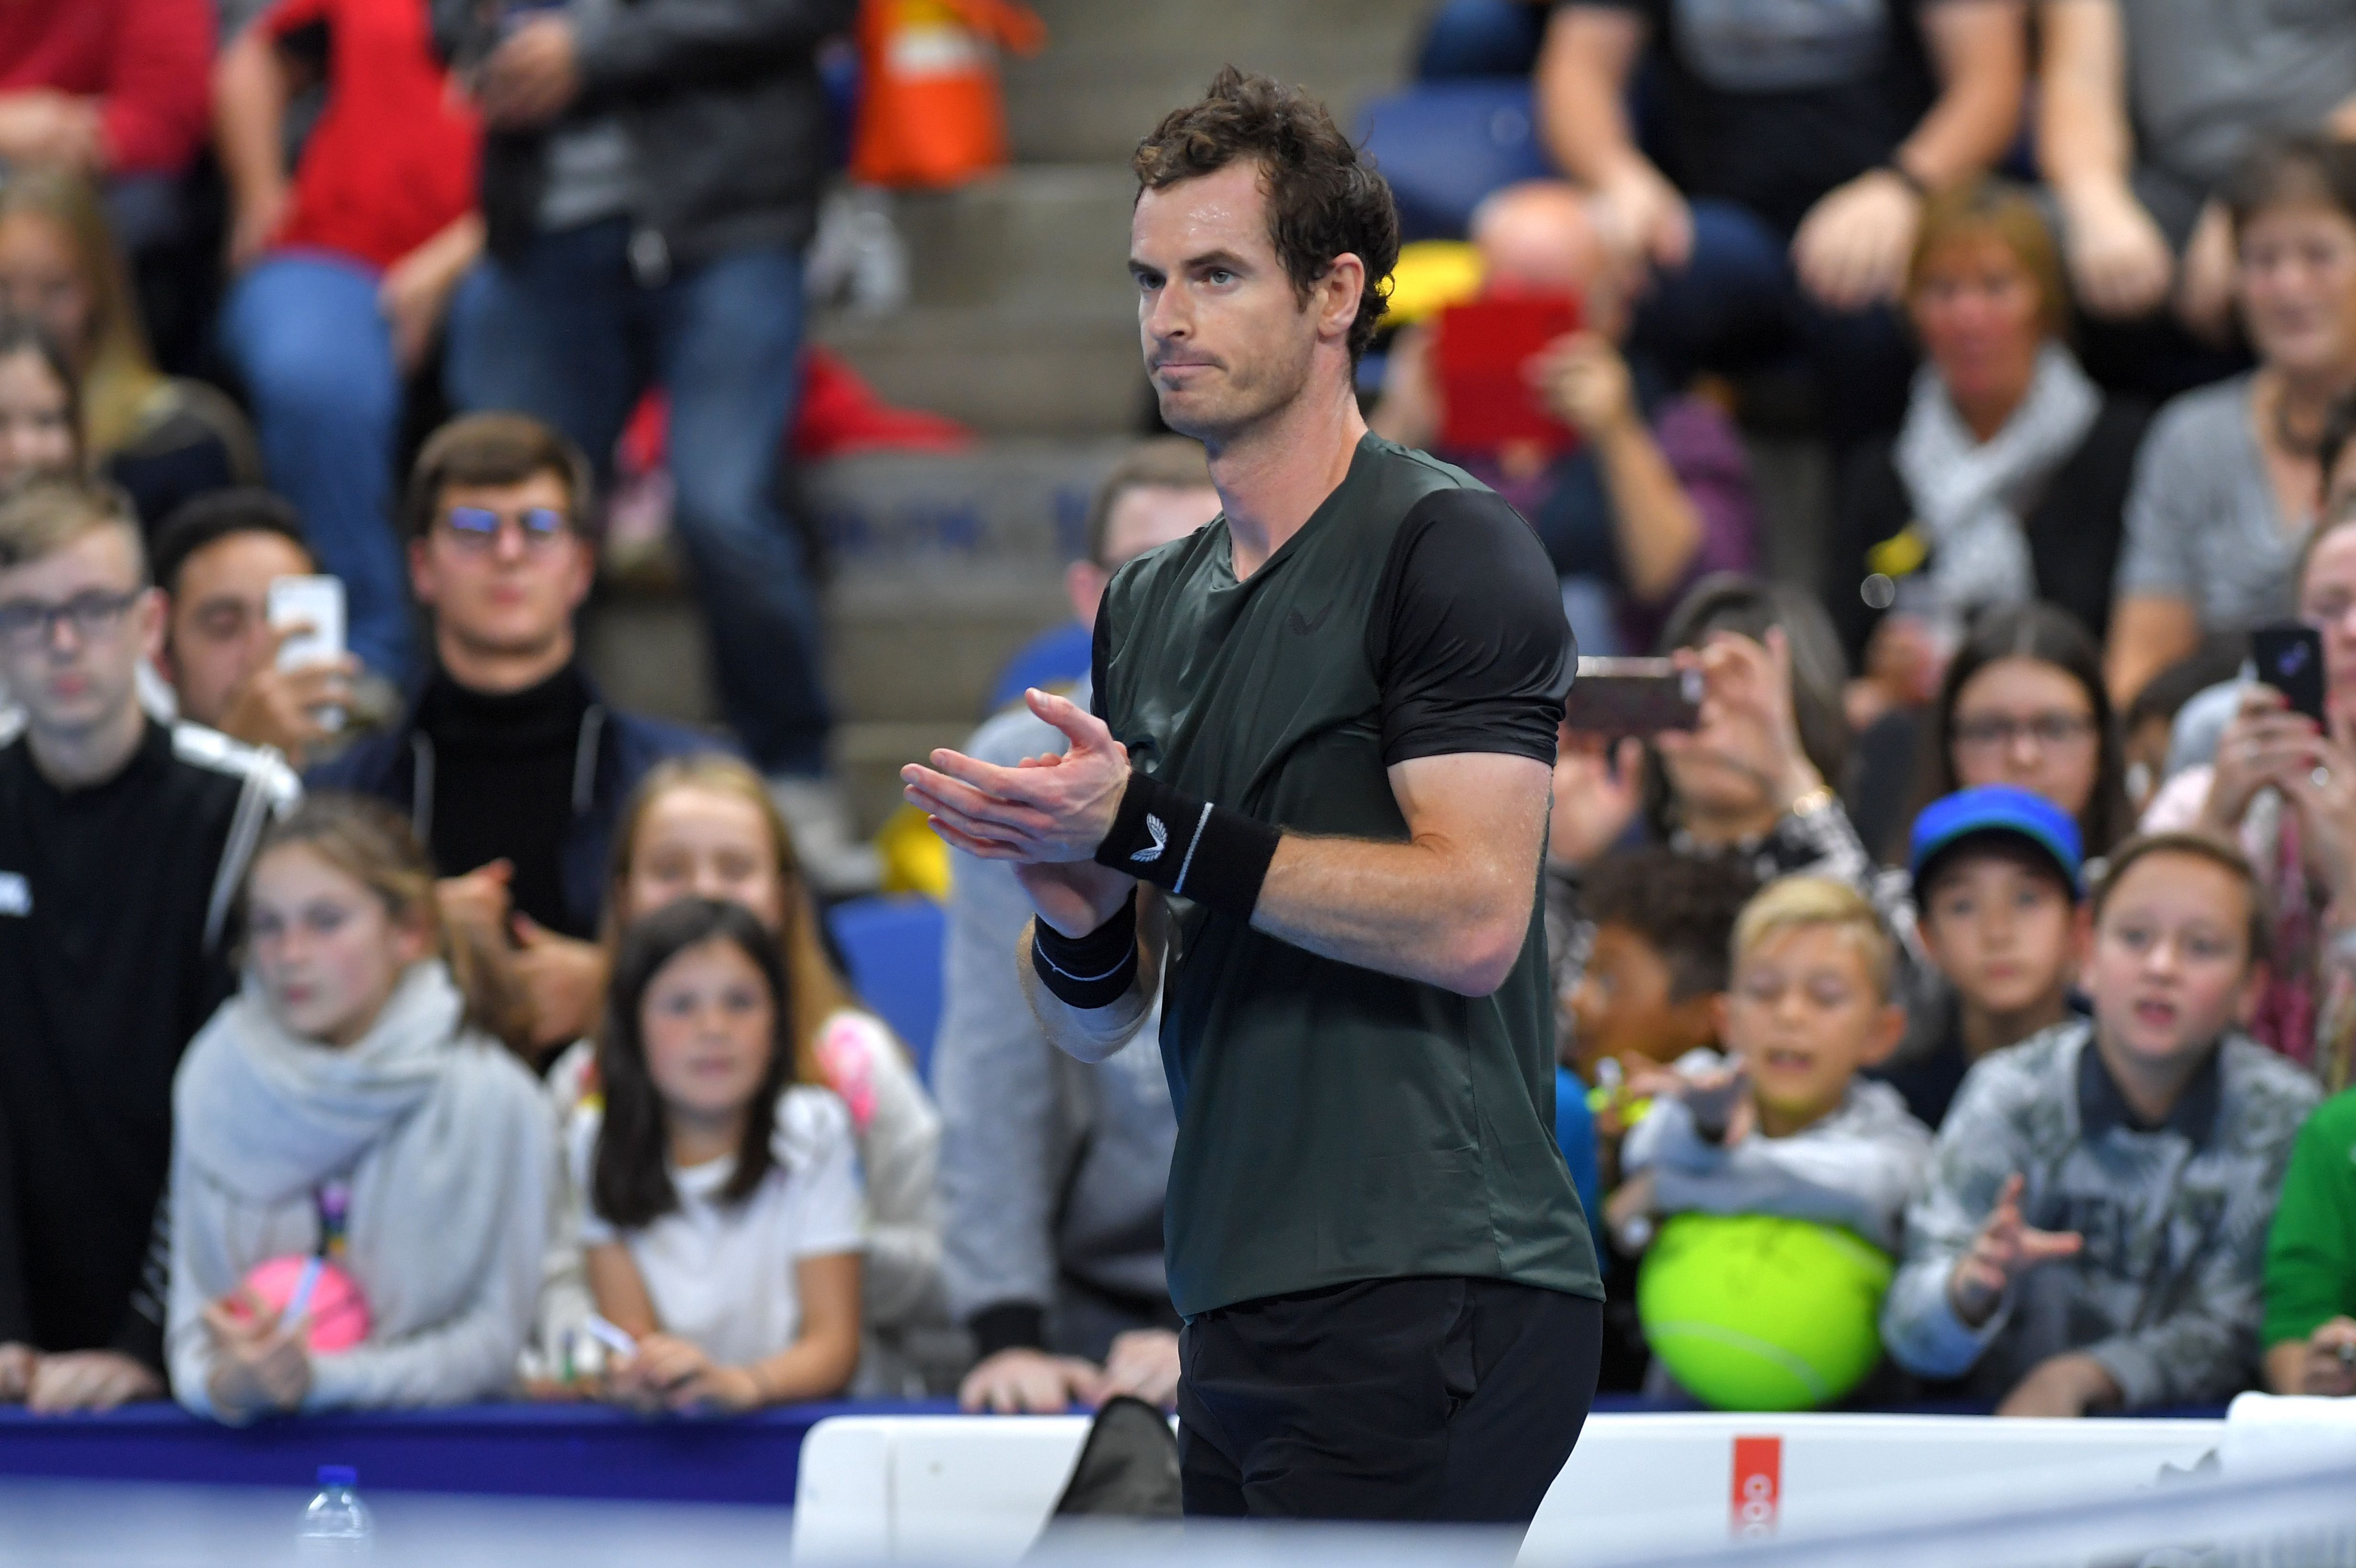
[414, 1025]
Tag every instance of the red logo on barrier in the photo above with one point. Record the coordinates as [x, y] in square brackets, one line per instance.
[1757, 1485]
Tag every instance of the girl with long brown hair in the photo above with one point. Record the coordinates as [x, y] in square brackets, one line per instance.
[705, 827]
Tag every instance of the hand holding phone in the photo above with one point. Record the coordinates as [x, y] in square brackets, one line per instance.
[2289, 657]
[311, 610]
[1633, 696]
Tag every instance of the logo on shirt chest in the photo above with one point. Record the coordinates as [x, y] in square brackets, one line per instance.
[15, 893]
[1306, 625]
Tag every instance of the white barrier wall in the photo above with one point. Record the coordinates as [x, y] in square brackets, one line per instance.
[977, 1490]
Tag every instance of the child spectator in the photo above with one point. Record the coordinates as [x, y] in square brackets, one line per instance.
[2092, 1234]
[122, 843]
[353, 1103]
[2310, 1326]
[40, 404]
[347, 262]
[719, 1192]
[1790, 1128]
[2022, 703]
[1998, 874]
[164, 439]
[1657, 967]
[705, 827]
[215, 561]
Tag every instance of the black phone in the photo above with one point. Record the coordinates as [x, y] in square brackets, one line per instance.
[2289, 657]
[1633, 696]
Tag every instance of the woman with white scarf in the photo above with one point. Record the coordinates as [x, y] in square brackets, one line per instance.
[361, 1168]
[2008, 480]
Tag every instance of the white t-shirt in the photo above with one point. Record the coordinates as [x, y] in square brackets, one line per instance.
[722, 1275]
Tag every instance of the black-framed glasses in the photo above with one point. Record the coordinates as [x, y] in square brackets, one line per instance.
[2003, 731]
[27, 623]
[479, 528]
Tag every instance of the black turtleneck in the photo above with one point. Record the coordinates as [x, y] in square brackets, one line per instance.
[503, 776]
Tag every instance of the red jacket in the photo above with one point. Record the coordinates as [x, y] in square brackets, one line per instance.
[147, 61]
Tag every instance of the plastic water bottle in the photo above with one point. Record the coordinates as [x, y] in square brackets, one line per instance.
[336, 1524]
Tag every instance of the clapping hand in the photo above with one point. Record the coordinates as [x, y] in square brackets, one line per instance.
[2006, 1248]
[1046, 814]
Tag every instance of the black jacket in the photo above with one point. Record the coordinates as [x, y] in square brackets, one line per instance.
[724, 106]
[2073, 530]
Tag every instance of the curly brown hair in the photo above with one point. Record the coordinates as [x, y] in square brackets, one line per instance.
[1324, 200]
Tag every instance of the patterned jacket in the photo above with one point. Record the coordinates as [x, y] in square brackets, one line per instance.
[2165, 1293]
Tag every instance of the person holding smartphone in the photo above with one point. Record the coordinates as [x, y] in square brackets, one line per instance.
[216, 560]
[2283, 785]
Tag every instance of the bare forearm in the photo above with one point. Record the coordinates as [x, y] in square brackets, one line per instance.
[1580, 110]
[2083, 137]
[1980, 47]
[1426, 911]
[813, 1367]
[1090, 1034]
[249, 117]
[1654, 520]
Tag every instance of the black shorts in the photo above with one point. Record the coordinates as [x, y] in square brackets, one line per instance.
[1446, 1400]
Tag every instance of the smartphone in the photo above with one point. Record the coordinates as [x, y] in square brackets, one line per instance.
[1482, 351]
[1633, 696]
[2289, 657]
[316, 603]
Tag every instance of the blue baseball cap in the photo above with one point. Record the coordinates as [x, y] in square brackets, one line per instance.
[1997, 808]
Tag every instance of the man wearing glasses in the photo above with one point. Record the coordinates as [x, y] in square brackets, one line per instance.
[510, 764]
[121, 845]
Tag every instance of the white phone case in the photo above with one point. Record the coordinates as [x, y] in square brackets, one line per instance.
[318, 603]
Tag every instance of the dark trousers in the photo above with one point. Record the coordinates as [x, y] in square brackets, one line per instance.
[1444, 1400]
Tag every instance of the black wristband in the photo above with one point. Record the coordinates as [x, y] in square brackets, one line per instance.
[1189, 847]
[1909, 179]
[1092, 971]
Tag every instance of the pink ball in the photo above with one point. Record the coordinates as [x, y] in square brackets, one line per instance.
[338, 1312]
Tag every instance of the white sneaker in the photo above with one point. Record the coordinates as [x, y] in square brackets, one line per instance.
[835, 859]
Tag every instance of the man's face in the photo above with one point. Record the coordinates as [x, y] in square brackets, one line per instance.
[508, 591]
[1144, 517]
[1226, 339]
[73, 627]
[217, 627]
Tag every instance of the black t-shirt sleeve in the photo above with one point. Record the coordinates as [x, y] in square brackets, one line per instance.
[1099, 660]
[1467, 639]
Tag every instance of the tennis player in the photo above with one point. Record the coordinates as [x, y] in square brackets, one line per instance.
[1323, 728]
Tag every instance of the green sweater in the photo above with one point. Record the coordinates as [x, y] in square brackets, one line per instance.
[2311, 1251]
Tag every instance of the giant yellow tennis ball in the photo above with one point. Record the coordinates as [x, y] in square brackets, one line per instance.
[1754, 1312]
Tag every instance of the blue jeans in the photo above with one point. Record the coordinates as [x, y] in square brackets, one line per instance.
[1738, 306]
[566, 333]
[304, 330]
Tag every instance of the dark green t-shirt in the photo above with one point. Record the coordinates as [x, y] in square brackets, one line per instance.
[1335, 1123]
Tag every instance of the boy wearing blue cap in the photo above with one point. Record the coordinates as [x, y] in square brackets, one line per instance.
[1997, 877]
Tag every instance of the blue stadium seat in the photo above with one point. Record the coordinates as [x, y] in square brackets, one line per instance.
[892, 946]
[1443, 146]
[1055, 658]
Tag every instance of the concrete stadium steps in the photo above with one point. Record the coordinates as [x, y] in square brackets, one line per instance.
[1111, 70]
[1021, 318]
[941, 567]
